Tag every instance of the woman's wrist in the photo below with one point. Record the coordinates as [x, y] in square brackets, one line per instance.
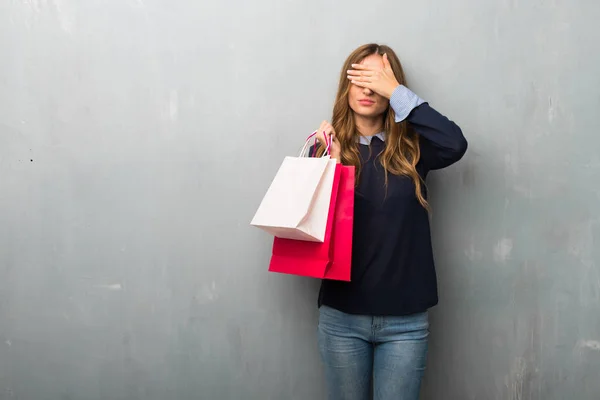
[391, 90]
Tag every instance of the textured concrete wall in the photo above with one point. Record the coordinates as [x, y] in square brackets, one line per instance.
[137, 138]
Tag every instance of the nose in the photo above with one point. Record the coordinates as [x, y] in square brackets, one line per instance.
[367, 91]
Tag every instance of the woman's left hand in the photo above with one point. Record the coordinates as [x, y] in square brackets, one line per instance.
[380, 80]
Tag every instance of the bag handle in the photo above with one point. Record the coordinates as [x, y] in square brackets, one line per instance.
[314, 134]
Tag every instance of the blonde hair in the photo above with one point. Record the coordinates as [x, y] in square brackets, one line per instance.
[402, 151]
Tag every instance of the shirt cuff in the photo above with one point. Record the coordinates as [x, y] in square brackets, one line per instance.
[403, 101]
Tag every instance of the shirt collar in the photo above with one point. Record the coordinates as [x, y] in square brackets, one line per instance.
[366, 140]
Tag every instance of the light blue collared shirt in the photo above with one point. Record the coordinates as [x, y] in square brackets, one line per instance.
[403, 101]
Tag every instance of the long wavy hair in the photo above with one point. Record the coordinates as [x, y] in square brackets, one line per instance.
[402, 152]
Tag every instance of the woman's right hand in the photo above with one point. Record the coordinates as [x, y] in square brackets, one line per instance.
[327, 129]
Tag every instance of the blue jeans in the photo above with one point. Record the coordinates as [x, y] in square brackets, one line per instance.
[357, 350]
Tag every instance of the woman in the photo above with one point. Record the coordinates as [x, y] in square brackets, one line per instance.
[374, 329]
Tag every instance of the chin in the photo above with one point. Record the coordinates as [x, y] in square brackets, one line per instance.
[368, 113]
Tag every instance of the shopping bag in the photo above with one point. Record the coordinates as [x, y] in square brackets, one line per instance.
[296, 205]
[331, 259]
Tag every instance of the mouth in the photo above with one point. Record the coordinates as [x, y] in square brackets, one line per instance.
[366, 102]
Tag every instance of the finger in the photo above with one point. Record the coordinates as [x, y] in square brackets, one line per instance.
[360, 83]
[363, 79]
[319, 135]
[326, 138]
[386, 61]
[330, 131]
[321, 128]
[362, 67]
[360, 73]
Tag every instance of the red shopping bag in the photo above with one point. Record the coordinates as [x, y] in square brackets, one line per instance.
[332, 258]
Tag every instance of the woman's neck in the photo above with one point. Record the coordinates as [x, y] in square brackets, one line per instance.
[368, 126]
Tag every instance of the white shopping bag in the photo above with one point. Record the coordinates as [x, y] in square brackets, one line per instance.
[296, 205]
